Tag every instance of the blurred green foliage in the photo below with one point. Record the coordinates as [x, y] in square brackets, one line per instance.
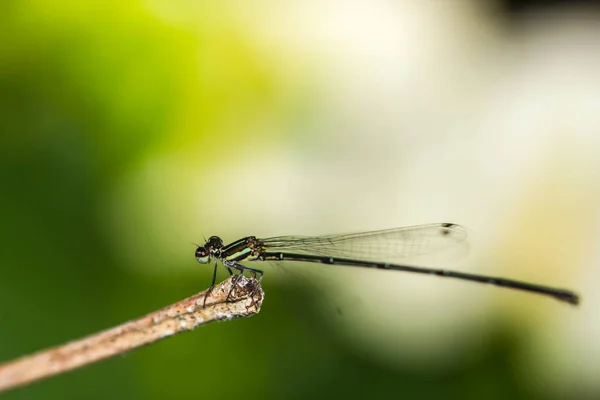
[86, 90]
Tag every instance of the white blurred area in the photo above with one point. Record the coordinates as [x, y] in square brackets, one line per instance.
[417, 112]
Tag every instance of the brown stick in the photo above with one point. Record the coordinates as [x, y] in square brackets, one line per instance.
[245, 300]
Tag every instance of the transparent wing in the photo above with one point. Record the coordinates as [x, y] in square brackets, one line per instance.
[380, 245]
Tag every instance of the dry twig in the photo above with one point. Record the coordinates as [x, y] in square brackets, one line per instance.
[245, 300]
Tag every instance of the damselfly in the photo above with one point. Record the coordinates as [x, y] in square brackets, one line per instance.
[367, 249]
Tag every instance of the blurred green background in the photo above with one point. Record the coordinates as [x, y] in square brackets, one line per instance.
[130, 129]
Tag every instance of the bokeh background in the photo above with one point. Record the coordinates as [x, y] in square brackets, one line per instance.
[130, 129]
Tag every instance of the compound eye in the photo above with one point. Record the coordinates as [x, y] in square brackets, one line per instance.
[202, 255]
[215, 242]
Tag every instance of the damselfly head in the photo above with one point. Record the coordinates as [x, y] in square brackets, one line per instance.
[202, 255]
